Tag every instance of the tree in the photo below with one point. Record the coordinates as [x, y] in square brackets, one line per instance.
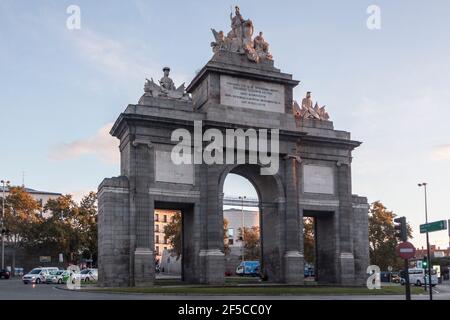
[382, 237]
[252, 245]
[71, 229]
[22, 215]
[88, 226]
[61, 230]
[172, 233]
[66, 228]
[226, 245]
[309, 242]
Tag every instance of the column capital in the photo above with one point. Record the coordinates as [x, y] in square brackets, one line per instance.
[140, 141]
[293, 156]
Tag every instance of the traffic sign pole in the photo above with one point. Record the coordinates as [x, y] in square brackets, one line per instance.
[429, 268]
[407, 285]
[406, 251]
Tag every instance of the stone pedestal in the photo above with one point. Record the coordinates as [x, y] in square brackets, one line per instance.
[347, 268]
[213, 264]
[144, 267]
[294, 267]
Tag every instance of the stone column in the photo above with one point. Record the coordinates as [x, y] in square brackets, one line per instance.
[327, 266]
[293, 255]
[211, 253]
[190, 268]
[114, 233]
[271, 242]
[142, 212]
[360, 238]
[346, 258]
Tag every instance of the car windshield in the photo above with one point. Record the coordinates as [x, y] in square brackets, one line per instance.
[35, 271]
[85, 271]
[56, 273]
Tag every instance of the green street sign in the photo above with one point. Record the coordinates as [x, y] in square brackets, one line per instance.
[433, 226]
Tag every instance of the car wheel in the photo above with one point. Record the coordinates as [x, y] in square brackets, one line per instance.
[59, 281]
[418, 283]
[38, 281]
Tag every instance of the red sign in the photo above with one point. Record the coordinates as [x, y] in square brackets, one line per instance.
[406, 250]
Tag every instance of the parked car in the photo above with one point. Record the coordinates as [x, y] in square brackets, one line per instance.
[37, 275]
[309, 272]
[395, 277]
[4, 274]
[57, 277]
[88, 275]
[251, 268]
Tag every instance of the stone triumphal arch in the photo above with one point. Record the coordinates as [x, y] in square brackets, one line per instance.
[238, 88]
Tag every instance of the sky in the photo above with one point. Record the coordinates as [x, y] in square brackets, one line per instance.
[61, 89]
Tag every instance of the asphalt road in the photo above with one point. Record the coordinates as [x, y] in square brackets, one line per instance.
[16, 290]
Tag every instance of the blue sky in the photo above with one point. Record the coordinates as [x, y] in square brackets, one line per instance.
[61, 89]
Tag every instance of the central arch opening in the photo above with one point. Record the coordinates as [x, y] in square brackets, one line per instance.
[242, 233]
[251, 223]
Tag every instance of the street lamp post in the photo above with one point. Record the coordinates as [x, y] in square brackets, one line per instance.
[424, 185]
[4, 184]
[243, 227]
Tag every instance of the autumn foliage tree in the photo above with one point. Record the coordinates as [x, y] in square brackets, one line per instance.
[22, 216]
[309, 240]
[252, 243]
[62, 226]
[70, 228]
[382, 239]
[173, 234]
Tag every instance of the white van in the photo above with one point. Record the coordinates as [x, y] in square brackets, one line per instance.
[37, 275]
[419, 276]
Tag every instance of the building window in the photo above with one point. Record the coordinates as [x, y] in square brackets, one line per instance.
[157, 250]
[230, 241]
[165, 218]
[157, 228]
[156, 217]
[230, 233]
[157, 238]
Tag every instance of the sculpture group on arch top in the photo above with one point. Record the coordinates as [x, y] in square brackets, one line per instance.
[239, 40]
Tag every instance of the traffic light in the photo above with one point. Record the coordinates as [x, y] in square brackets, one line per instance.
[425, 262]
[400, 228]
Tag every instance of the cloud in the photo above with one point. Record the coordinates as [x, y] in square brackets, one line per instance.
[119, 59]
[112, 56]
[441, 153]
[79, 194]
[101, 145]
